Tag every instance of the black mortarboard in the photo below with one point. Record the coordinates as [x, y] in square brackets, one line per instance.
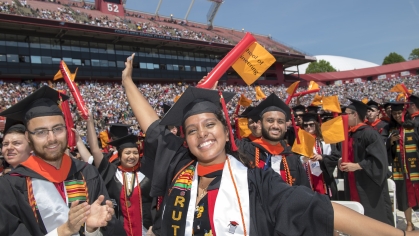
[372, 104]
[414, 99]
[397, 106]
[312, 109]
[271, 103]
[14, 126]
[326, 116]
[42, 102]
[342, 108]
[299, 108]
[310, 117]
[117, 131]
[358, 106]
[195, 101]
[129, 141]
[166, 108]
[387, 104]
[245, 113]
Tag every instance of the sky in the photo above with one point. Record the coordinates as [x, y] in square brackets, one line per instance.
[362, 29]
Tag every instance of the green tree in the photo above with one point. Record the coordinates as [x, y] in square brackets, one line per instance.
[393, 58]
[414, 55]
[319, 67]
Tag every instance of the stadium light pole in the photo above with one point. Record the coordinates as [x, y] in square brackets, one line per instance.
[190, 7]
[158, 8]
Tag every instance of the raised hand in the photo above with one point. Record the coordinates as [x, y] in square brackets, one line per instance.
[127, 72]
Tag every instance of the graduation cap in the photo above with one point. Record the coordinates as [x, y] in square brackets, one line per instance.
[387, 104]
[310, 117]
[299, 108]
[192, 102]
[197, 101]
[271, 103]
[42, 102]
[312, 109]
[129, 141]
[372, 104]
[358, 106]
[166, 108]
[414, 99]
[398, 106]
[14, 126]
[326, 116]
[117, 131]
[246, 112]
[342, 108]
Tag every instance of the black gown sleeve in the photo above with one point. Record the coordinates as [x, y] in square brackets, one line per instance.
[287, 210]
[166, 149]
[107, 170]
[375, 162]
[330, 162]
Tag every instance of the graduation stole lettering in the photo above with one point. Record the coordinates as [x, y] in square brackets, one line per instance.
[407, 163]
[176, 207]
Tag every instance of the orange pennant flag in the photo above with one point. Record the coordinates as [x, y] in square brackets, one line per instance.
[317, 100]
[400, 97]
[364, 100]
[292, 88]
[259, 93]
[400, 88]
[253, 63]
[332, 130]
[312, 85]
[244, 130]
[104, 138]
[331, 104]
[307, 141]
[244, 101]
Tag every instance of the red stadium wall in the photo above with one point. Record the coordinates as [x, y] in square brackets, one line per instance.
[111, 7]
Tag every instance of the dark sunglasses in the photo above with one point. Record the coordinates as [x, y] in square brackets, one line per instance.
[307, 125]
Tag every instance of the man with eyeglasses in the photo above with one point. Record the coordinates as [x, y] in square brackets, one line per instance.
[51, 193]
[373, 120]
[367, 170]
[299, 111]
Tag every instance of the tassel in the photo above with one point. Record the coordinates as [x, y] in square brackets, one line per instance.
[223, 104]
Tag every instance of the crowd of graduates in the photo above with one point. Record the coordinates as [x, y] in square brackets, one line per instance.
[169, 159]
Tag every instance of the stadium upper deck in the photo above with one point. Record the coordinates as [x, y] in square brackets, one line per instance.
[35, 35]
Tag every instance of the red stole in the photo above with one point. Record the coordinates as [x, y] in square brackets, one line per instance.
[317, 181]
[414, 114]
[283, 173]
[351, 175]
[133, 223]
[251, 137]
[212, 196]
[375, 123]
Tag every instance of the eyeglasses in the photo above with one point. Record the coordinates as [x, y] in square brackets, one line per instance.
[307, 125]
[43, 133]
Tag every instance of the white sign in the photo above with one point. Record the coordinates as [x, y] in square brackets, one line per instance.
[338, 82]
[113, 7]
[357, 80]
[404, 73]
[382, 77]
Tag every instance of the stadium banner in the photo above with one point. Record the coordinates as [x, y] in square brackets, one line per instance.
[253, 63]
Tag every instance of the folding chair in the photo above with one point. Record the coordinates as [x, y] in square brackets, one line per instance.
[356, 206]
[392, 192]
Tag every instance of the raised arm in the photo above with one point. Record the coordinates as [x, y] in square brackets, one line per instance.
[143, 111]
[84, 152]
[92, 139]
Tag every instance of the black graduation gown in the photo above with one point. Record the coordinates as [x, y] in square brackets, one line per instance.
[290, 136]
[371, 182]
[16, 215]
[275, 207]
[107, 171]
[383, 128]
[248, 150]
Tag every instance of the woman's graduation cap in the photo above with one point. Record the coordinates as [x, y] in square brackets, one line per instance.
[414, 99]
[358, 106]
[398, 106]
[117, 131]
[129, 141]
[271, 103]
[42, 102]
[196, 101]
[307, 117]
